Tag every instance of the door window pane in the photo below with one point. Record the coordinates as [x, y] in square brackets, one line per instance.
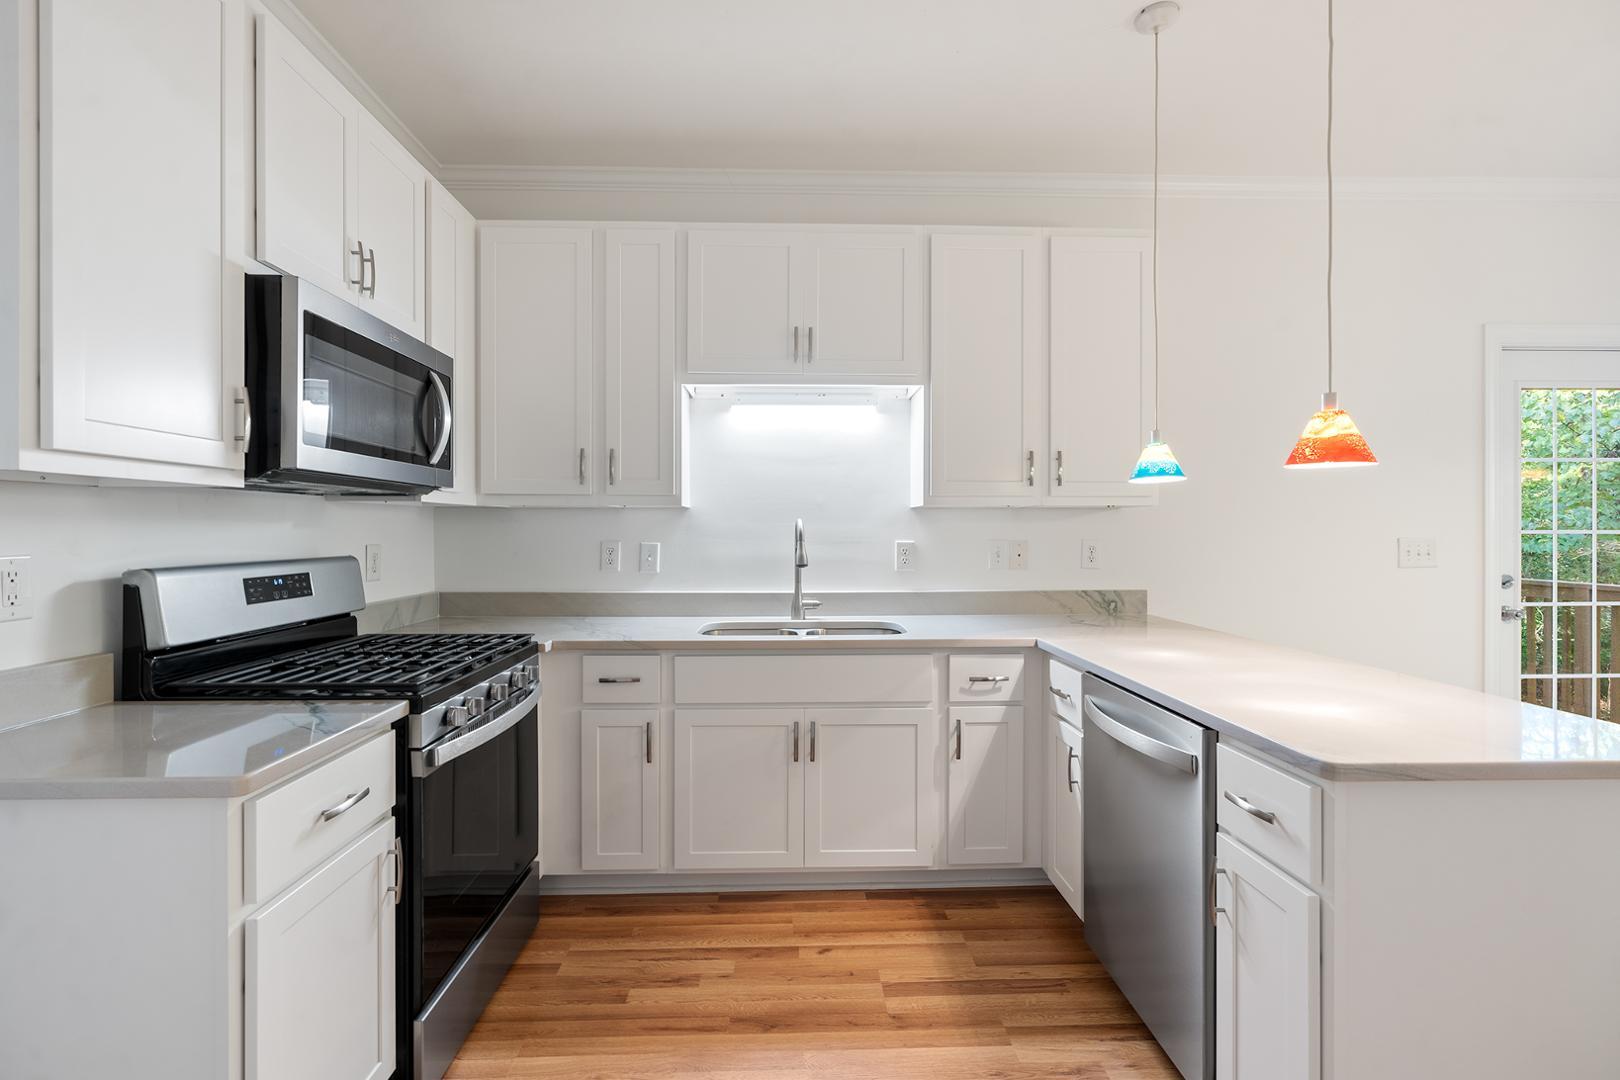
[1536, 495]
[1608, 423]
[1536, 568]
[1575, 495]
[1536, 423]
[1574, 423]
[1575, 696]
[1535, 643]
[1574, 567]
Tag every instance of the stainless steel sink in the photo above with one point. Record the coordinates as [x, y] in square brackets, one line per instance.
[800, 628]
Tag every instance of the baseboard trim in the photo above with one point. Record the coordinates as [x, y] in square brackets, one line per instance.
[792, 881]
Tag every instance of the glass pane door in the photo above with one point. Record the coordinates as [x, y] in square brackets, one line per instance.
[1569, 543]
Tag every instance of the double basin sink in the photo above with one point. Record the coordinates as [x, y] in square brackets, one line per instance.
[800, 628]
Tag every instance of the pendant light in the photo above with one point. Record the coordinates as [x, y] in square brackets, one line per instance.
[1158, 464]
[1330, 439]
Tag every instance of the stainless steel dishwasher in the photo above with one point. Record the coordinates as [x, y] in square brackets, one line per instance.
[1150, 822]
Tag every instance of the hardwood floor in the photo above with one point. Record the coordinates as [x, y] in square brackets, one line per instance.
[959, 984]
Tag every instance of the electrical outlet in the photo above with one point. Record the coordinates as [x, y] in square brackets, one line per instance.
[905, 554]
[16, 589]
[649, 557]
[997, 554]
[1416, 553]
[1090, 557]
[1019, 557]
[373, 562]
[612, 555]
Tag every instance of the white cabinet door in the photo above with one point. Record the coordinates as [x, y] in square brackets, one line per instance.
[137, 359]
[308, 136]
[535, 371]
[390, 186]
[1268, 970]
[1101, 367]
[985, 782]
[1067, 841]
[870, 796]
[320, 971]
[862, 304]
[741, 309]
[619, 798]
[986, 399]
[640, 421]
[739, 788]
[452, 317]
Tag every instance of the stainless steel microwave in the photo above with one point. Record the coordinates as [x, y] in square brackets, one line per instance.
[339, 401]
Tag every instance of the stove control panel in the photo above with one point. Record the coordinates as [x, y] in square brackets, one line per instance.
[262, 590]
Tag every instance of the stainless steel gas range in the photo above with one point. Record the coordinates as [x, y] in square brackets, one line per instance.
[468, 758]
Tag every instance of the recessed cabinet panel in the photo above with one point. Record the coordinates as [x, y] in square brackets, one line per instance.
[619, 789]
[1068, 833]
[985, 754]
[389, 223]
[863, 304]
[741, 307]
[638, 341]
[739, 788]
[870, 796]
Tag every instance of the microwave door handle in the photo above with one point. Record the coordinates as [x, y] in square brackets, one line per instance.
[445, 416]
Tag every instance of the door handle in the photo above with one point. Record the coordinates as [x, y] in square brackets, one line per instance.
[1060, 468]
[812, 740]
[810, 345]
[795, 740]
[359, 253]
[443, 442]
[398, 887]
[795, 344]
[649, 742]
[1214, 908]
[1069, 768]
[1146, 745]
[958, 754]
[345, 806]
[616, 679]
[1252, 810]
[611, 477]
[1030, 477]
[371, 261]
[1512, 614]
[988, 678]
[582, 465]
[244, 403]
[1061, 695]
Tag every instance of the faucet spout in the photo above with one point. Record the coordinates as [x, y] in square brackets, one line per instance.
[801, 559]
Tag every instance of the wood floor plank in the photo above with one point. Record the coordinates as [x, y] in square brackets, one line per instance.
[949, 984]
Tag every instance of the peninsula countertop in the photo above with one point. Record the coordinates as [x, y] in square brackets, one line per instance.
[1335, 719]
[197, 749]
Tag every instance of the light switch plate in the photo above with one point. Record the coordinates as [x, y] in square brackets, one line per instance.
[612, 555]
[16, 589]
[373, 562]
[905, 554]
[1019, 557]
[997, 554]
[649, 557]
[1416, 553]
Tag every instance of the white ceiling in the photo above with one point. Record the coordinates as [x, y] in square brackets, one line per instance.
[1426, 87]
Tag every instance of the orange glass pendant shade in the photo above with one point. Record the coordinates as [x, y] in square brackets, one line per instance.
[1330, 440]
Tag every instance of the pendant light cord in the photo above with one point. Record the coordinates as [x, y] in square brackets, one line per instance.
[1156, 364]
[1329, 196]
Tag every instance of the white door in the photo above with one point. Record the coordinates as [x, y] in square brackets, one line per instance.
[452, 316]
[985, 758]
[641, 425]
[308, 134]
[390, 187]
[1068, 825]
[1552, 594]
[862, 304]
[619, 798]
[870, 794]
[1268, 970]
[1100, 371]
[986, 393]
[534, 375]
[739, 788]
[320, 971]
[740, 303]
[133, 100]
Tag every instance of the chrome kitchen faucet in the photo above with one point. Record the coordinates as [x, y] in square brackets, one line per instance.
[801, 559]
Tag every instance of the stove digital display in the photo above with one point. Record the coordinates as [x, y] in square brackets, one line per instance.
[262, 590]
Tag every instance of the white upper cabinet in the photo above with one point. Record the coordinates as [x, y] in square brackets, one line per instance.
[536, 384]
[641, 421]
[340, 200]
[985, 392]
[806, 306]
[1100, 382]
[144, 367]
[452, 328]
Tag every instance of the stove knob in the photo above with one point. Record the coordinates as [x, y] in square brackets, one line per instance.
[457, 716]
[474, 707]
[499, 691]
[522, 678]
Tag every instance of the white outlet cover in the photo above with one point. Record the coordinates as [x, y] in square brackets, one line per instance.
[16, 589]
[1018, 559]
[1416, 553]
[650, 558]
[905, 555]
[373, 562]
[997, 555]
[1090, 555]
[612, 555]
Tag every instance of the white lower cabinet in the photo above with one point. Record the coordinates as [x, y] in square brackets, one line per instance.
[986, 784]
[1268, 947]
[869, 787]
[619, 796]
[739, 788]
[1066, 844]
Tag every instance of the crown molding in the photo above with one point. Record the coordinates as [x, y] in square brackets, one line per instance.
[1028, 185]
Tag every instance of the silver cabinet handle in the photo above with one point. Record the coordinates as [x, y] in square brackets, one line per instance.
[812, 740]
[795, 344]
[810, 345]
[1030, 477]
[1214, 908]
[443, 442]
[612, 479]
[1061, 695]
[988, 678]
[1252, 810]
[345, 806]
[398, 887]
[371, 261]
[958, 754]
[582, 465]
[618, 679]
[359, 253]
[1060, 468]
[649, 742]
[1069, 767]
[244, 400]
[1144, 744]
[795, 740]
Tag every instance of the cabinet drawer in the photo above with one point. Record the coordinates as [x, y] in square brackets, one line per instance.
[288, 832]
[1292, 838]
[1063, 693]
[622, 680]
[867, 678]
[987, 678]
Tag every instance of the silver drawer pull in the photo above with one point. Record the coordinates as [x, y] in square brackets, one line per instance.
[345, 806]
[988, 678]
[1252, 810]
[1061, 695]
[614, 680]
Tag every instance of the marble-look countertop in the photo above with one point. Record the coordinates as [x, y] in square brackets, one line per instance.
[1338, 720]
[155, 749]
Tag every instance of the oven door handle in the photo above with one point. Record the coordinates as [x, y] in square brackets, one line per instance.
[446, 420]
[447, 750]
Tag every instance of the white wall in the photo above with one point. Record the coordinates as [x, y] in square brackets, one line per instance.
[1243, 546]
[81, 539]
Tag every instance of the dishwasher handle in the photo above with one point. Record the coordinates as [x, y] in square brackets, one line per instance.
[1173, 756]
